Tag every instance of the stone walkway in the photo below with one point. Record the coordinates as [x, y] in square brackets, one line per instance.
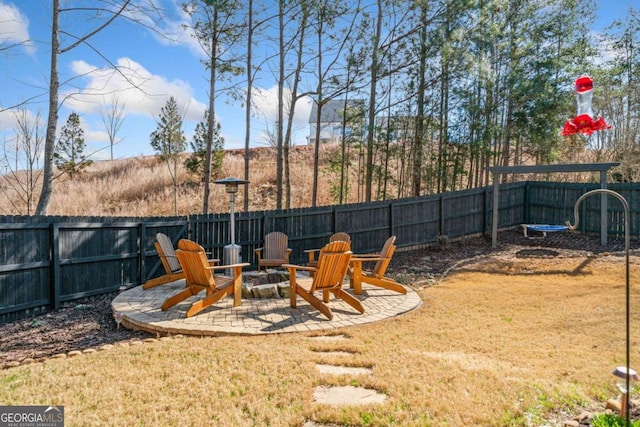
[140, 309]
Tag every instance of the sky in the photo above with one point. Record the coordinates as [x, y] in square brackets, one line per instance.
[161, 66]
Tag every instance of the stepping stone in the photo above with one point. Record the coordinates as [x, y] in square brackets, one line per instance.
[342, 370]
[331, 338]
[347, 395]
[334, 353]
[310, 423]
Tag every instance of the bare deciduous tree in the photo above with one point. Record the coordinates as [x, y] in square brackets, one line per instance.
[54, 85]
[112, 117]
[21, 162]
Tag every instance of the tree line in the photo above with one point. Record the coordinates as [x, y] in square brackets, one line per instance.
[444, 88]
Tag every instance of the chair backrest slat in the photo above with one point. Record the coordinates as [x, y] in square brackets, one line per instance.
[275, 245]
[340, 236]
[194, 260]
[385, 254]
[333, 263]
[166, 253]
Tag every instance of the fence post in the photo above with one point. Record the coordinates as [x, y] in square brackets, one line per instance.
[391, 227]
[496, 213]
[527, 196]
[440, 214]
[56, 274]
[142, 253]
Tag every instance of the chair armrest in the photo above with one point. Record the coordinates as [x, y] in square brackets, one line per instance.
[368, 258]
[363, 256]
[299, 267]
[224, 267]
[312, 254]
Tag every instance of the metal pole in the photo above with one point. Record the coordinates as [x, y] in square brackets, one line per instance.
[627, 240]
[494, 225]
[233, 228]
[603, 210]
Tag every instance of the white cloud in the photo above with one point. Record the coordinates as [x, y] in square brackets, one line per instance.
[605, 48]
[137, 89]
[14, 28]
[266, 109]
[266, 106]
[8, 120]
[173, 27]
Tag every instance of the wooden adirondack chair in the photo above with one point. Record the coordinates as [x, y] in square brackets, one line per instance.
[172, 268]
[199, 276]
[275, 252]
[170, 262]
[377, 276]
[339, 236]
[333, 262]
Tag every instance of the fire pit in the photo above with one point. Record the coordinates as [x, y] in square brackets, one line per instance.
[265, 284]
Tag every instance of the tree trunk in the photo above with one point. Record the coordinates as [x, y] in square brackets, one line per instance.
[279, 124]
[320, 102]
[212, 111]
[372, 104]
[52, 120]
[291, 111]
[247, 115]
[419, 127]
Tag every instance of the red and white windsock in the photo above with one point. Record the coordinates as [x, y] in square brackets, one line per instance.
[583, 122]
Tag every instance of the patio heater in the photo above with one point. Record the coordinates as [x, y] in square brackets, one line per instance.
[624, 373]
[232, 253]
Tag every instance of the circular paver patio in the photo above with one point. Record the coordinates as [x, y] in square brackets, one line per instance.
[140, 309]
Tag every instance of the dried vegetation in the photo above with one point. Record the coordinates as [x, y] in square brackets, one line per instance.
[142, 186]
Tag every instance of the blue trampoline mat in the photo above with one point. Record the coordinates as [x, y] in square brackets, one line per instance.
[546, 228]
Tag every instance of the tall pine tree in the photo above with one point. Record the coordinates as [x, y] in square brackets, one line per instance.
[196, 162]
[69, 154]
[169, 142]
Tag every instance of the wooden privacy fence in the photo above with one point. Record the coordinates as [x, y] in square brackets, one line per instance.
[45, 261]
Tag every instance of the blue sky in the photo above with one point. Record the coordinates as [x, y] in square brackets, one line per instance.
[161, 66]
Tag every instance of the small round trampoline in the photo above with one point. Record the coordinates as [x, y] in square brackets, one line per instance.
[543, 228]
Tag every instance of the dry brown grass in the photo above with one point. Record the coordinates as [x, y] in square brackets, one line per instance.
[142, 186]
[501, 342]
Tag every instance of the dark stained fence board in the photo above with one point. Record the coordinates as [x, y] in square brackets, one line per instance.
[250, 228]
[416, 221]
[48, 260]
[212, 232]
[551, 203]
[24, 243]
[511, 204]
[369, 226]
[463, 213]
[305, 228]
[615, 224]
[95, 258]
[24, 289]
[24, 267]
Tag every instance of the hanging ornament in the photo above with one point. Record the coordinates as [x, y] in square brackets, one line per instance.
[584, 121]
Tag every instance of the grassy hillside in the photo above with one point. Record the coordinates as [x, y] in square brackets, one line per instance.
[142, 186]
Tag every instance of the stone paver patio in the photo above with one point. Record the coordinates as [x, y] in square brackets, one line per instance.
[140, 309]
